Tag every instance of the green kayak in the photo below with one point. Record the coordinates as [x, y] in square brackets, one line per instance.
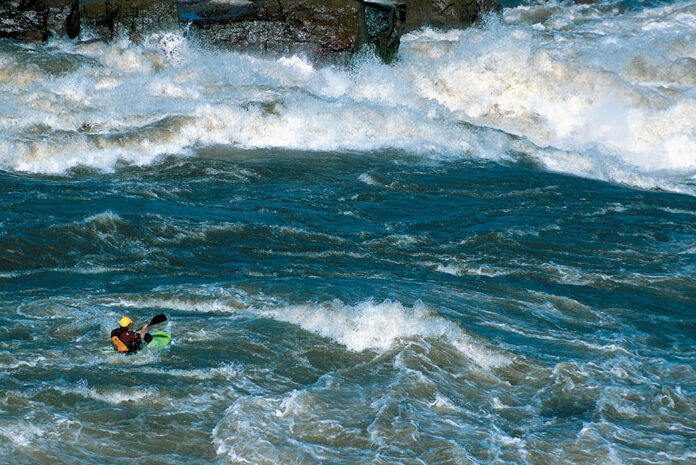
[159, 340]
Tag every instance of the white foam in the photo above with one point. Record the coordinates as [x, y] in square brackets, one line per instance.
[20, 433]
[379, 326]
[106, 218]
[116, 396]
[365, 326]
[120, 105]
[369, 180]
[9, 362]
[566, 95]
[465, 269]
[177, 303]
[443, 405]
[596, 98]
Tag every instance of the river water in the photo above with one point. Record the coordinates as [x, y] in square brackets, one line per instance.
[484, 253]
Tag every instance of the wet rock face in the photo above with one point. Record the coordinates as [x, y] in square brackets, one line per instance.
[383, 23]
[37, 20]
[332, 29]
[310, 26]
[445, 13]
[135, 18]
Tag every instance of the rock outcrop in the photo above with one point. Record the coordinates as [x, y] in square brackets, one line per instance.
[278, 25]
[319, 28]
[37, 20]
[445, 13]
[382, 23]
[325, 29]
[114, 18]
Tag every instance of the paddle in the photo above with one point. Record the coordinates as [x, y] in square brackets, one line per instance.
[160, 318]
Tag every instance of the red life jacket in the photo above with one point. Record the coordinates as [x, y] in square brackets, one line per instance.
[125, 341]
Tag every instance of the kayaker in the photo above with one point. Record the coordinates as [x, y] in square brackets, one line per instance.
[125, 340]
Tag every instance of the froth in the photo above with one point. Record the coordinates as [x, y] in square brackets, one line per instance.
[116, 396]
[378, 326]
[593, 98]
[136, 103]
[577, 97]
[463, 269]
[366, 326]
[20, 433]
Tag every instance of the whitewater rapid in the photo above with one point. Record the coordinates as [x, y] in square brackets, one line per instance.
[483, 253]
[590, 90]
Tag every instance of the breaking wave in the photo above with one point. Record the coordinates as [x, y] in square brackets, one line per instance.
[610, 98]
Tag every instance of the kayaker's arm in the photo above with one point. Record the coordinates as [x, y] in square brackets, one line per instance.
[142, 331]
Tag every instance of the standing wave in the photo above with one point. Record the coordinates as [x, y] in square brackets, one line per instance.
[590, 90]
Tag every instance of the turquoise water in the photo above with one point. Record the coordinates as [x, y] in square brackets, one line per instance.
[489, 260]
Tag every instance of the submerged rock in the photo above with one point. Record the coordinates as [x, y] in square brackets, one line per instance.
[37, 20]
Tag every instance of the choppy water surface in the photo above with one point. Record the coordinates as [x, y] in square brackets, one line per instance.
[484, 253]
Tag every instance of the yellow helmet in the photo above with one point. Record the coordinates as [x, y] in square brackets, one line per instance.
[125, 322]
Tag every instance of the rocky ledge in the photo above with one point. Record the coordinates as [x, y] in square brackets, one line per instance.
[37, 20]
[319, 28]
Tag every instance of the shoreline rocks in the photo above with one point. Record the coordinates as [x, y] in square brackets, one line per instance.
[383, 23]
[314, 27]
[325, 29]
[37, 20]
[109, 19]
[445, 14]
[332, 30]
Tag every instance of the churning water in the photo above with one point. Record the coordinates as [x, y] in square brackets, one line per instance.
[484, 253]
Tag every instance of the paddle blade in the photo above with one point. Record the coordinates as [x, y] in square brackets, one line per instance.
[158, 319]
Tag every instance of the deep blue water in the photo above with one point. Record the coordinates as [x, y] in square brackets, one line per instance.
[576, 297]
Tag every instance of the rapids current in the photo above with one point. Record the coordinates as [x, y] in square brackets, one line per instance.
[482, 253]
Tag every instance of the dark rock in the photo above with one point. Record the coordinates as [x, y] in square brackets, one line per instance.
[37, 20]
[135, 18]
[200, 9]
[278, 26]
[382, 23]
[324, 29]
[318, 28]
[72, 22]
[445, 14]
